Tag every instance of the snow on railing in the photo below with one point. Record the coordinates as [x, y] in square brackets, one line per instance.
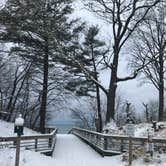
[107, 144]
[44, 143]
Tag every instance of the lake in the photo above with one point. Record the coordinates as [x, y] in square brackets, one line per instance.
[63, 128]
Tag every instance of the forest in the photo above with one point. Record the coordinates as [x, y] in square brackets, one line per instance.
[47, 59]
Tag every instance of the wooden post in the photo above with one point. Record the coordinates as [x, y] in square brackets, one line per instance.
[105, 143]
[36, 142]
[18, 150]
[130, 151]
[87, 135]
[14, 142]
[121, 145]
[49, 142]
[97, 138]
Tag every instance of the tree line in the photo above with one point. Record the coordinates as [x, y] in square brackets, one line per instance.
[45, 54]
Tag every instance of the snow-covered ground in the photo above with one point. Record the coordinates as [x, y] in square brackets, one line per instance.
[7, 129]
[141, 130]
[69, 151]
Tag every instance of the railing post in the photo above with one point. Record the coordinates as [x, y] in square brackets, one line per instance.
[130, 151]
[50, 142]
[121, 145]
[18, 150]
[97, 137]
[87, 135]
[14, 142]
[36, 142]
[91, 137]
[105, 143]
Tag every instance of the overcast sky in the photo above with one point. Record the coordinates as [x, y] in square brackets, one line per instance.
[131, 89]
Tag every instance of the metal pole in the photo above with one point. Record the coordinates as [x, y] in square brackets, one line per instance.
[18, 150]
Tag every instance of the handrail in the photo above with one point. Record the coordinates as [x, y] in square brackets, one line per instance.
[44, 143]
[107, 144]
[124, 137]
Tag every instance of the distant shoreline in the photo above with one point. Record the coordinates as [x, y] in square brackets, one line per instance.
[62, 128]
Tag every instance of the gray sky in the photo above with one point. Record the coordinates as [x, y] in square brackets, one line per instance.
[131, 89]
[2, 2]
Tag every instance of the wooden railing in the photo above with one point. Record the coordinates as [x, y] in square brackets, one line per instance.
[116, 144]
[44, 143]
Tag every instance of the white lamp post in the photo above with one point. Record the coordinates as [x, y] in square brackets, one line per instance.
[18, 128]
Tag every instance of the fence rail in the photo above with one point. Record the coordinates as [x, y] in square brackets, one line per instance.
[116, 144]
[44, 143]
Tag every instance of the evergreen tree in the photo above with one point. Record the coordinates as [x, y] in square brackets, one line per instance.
[38, 30]
[89, 54]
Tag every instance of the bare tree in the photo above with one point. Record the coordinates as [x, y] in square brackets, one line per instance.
[85, 116]
[151, 46]
[153, 110]
[146, 112]
[124, 17]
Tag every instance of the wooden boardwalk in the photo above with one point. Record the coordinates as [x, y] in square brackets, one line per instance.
[70, 147]
[108, 145]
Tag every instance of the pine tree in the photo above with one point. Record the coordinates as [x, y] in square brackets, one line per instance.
[88, 54]
[38, 30]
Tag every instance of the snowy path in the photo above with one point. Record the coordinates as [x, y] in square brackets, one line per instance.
[70, 147]
[70, 151]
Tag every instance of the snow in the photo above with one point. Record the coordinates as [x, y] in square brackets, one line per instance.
[77, 153]
[7, 130]
[28, 158]
[2, 3]
[110, 126]
[141, 130]
[69, 151]
[19, 121]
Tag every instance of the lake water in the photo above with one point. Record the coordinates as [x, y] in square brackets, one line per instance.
[63, 128]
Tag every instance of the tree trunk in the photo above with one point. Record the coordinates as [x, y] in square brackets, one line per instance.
[147, 115]
[111, 103]
[112, 87]
[161, 104]
[1, 100]
[44, 93]
[161, 89]
[100, 127]
[10, 101]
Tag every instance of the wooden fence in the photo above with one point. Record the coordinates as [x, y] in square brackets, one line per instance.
[108, 145]
[44, 143]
